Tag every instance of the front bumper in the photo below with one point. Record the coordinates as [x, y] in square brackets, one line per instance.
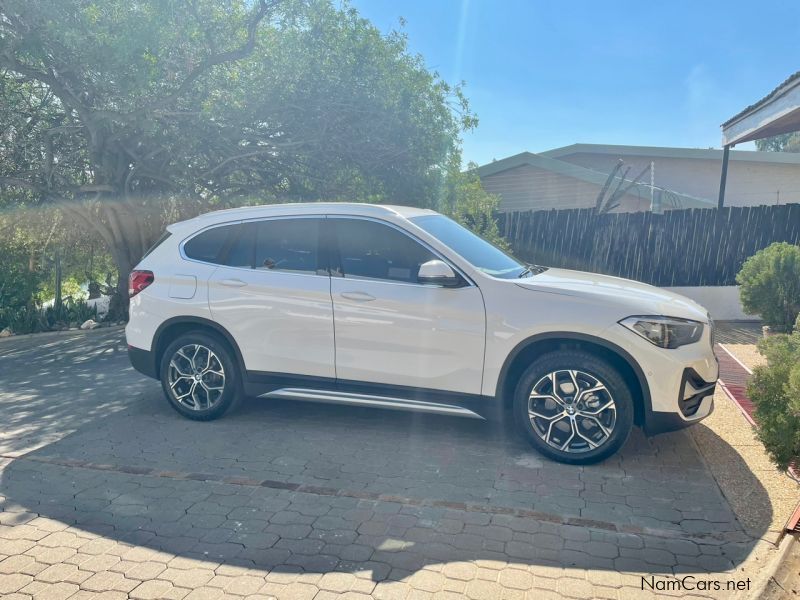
[695, 402]
[680, 382]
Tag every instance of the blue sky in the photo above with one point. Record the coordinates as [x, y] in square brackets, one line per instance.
[545, 74]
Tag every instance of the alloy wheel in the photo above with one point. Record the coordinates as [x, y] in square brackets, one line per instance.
[196, 377]
[572, 411]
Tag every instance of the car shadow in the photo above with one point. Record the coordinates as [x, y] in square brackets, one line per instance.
[299, 487]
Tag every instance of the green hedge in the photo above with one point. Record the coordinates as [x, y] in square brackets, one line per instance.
[770, 285]
[775, 391]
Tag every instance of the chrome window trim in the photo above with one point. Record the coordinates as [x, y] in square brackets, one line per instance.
[183, 242]
[470, 282]
[423, 243]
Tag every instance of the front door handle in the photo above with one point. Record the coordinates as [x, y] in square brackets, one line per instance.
[233, 283]
[358, 296]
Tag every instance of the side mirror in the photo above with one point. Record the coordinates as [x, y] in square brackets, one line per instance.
[438, 273]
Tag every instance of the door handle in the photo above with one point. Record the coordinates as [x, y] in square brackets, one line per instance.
[358, 296]
[233, 283]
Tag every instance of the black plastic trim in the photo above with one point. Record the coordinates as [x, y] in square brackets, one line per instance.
[663, 422]
[260, 382]
[702, 389]
[143, 361]
[581, 337]
[196, 321]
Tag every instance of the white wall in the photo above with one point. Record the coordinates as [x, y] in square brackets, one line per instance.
[722, 301]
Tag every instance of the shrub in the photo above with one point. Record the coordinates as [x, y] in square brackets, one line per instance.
[32, 319]
[775, 391]
[770, 285]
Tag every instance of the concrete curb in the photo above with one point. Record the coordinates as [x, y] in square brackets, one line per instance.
[768, 573]
[45, 334]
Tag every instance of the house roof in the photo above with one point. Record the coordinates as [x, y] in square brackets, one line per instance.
[544, 161]
[666, 152]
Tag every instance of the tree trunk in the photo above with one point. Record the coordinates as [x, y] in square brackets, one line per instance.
[58, 300]
[121, 229]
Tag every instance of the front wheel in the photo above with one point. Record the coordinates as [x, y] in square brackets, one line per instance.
[573, 407]
[199, 376]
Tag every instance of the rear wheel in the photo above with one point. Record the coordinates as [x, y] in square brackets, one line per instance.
[199, 376]
[573, 407]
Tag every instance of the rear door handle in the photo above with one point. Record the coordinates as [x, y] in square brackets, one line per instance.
[233, 283]
[358, 296]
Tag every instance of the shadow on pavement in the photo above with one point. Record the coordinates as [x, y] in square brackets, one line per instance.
[51, 384]
[653, 508]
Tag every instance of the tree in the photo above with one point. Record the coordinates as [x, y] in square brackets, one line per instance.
[464, 200]
[786, 142]
[130, 115]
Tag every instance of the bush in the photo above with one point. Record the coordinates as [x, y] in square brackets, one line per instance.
[775, 391]
[770, 285]
[32, 319]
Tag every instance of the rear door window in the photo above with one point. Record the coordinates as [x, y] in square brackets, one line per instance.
[241, 246]
[290, 245]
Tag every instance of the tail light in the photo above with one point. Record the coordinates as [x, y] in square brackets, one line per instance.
[139, 280]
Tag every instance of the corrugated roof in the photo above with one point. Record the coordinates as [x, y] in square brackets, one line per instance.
[791, 81]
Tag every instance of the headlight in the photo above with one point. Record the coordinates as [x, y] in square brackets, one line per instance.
[665, 332]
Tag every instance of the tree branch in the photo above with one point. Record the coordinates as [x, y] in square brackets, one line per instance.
[214, 60]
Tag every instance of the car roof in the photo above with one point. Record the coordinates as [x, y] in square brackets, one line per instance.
[303, 208]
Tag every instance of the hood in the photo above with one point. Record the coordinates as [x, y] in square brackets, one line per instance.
[633, 297]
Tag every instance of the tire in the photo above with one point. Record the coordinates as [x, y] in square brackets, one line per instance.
[576, 429]
[218, 388]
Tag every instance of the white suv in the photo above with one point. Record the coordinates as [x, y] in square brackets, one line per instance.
[402, 308]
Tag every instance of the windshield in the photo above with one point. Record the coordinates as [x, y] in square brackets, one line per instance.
[474, 249]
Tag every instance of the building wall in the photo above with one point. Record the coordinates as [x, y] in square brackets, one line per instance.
[749, 183]
[530, 188]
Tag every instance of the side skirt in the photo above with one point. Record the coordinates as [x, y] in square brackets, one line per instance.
[356, 393]
[353, 399]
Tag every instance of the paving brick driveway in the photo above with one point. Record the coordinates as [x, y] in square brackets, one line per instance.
[105, 489]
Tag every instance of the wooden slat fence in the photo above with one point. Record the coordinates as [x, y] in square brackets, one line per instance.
[678, 248]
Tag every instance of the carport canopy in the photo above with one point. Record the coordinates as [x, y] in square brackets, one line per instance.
[777, 113]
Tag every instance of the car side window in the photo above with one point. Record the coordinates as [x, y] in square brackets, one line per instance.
[372, 250]
[241, 246]
[209, 245]
[288, 245]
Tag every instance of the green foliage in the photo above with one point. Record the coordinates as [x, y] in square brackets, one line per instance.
[33, 319]
[19, 283]
[465, 201]
[786, 142]
[770, 285]
[775, 391]
[131, 115]
[29, 243]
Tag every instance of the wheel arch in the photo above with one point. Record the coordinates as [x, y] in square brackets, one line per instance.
[172, 328]
[537, 345]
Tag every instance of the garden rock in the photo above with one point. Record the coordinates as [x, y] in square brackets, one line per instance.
[6, 333]
[89, 324]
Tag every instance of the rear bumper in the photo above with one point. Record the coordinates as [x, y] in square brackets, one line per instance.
[143, 361]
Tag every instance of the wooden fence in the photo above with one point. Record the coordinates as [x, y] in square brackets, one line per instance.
[678, 248]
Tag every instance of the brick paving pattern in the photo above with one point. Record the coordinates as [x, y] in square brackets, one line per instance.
[106, 493]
